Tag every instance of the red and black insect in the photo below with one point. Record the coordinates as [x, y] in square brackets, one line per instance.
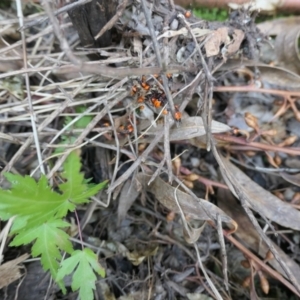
[158, 99]
[148, 92]
[177, 114]
[126, 129]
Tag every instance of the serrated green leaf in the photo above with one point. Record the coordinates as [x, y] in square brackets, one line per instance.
[38, 211]
[91, 191]
[19, 224]
[66, 140]
[83, 121]
[85, 264]
[49, 240]
[34, 200]
[76, 187]
[74, 184]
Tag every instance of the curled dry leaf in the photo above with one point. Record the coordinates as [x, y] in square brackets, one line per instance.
[165, 194]
[191, 235]
[253, 196]
[287, 31]
[214, 41]
[264, 283]
[234, 46]
[262, 201]
[221, 37]
[138, 256]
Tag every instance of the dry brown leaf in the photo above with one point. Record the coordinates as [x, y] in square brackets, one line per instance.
[106, 291]
[276, 77]
[287, 31]
[249, 235]
[234, 46]
[10, 271]
[137, 257]
[165, 194]
[249, 193]
[286, 48]
[191, 127]
[276, 26]
[279, 77]
[191, 235]
[262, 201]
[214, 41]
[129, 194]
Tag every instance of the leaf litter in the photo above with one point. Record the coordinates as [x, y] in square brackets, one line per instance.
[154, 98]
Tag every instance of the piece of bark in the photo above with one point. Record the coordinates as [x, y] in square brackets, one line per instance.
[88, 20]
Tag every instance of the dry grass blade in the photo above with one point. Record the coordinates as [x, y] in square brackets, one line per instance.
[29, 98]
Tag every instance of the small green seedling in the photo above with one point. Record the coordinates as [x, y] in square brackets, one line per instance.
[39, 219]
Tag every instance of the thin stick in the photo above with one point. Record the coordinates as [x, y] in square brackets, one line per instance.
[117, 155]
[62, 40]
[208, 101]
[31, 111]
[212, 286]
[167, 154]
[223, 252]
[138, 161]
[187, 229]
[168, 122]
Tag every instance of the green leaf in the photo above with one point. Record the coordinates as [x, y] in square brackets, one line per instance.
[35, 201]
[85, 264]
[48, 240]
[38, 212]
[75, 188]
[65, 140]
[74, 179]
[91, 191]
[83, 121]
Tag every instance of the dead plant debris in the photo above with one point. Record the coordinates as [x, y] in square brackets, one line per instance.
[144, 96]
